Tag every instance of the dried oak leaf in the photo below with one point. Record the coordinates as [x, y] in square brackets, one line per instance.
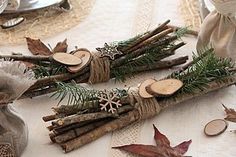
[37, 47]
[231, 114]
[162, 148]
[61, 47]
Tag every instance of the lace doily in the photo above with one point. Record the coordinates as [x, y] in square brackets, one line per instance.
[131, 134]
[190, 10]
[45, 23]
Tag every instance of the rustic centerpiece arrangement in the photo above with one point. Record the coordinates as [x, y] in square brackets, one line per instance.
[90, 114]
[117, 60]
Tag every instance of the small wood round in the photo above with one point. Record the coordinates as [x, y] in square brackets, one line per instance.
[215, 127]
[85, 56]
[66, 59]
[164, 88]
[142, 88]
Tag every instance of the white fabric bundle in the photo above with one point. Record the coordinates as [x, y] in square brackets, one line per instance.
[15, 79]
[219, 29]
[13, 4]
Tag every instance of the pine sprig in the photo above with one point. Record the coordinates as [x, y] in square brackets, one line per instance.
[125, 43]
[182, 31]
[151, 54]
[79, 97]
[45, 70]
[149, 57]
[206, 67]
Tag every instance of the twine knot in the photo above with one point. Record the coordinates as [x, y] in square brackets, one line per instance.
[99, 69]
[147, 108]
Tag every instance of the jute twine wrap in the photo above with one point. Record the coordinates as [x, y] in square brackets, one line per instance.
[147, 107]
[99, 70]
[45, 22]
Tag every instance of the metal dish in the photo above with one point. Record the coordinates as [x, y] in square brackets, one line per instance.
[29, 5]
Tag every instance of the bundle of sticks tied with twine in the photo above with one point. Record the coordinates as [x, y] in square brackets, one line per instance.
[92, 114]
[117, 60]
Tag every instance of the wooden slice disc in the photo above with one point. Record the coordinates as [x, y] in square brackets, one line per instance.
[142, 88]
[67, 59]
[85, 56]
[215, 127]
[165, 87]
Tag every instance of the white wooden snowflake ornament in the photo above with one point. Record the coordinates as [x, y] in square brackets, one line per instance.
[109, 101]
[109, 51]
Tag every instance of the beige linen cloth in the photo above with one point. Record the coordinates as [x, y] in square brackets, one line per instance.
[219, 29]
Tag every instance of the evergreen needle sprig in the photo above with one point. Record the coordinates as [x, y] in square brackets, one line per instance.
[78, 96]
[151, 54]
[126, 43]
[46, 69]
[205, 68]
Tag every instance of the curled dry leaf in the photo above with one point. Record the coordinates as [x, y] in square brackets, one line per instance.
[231, 114]
[37, 47]
[61, 47]
[162, 148]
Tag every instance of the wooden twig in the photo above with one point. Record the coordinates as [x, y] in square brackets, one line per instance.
[163, 64]
[52, 79]
[61, 130]
[134, 116]
[90, 116]
[120, 61]
[93, 135]
[190, 32]
[26, 58]
[151, 39]
[84, 117]
[71, 134]
[35, 93]
[146, 36]
[83, 78]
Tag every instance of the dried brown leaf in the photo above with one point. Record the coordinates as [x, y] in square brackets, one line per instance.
[231, 114]
[160, 138]
[36, 47]
[61, 47]
[150, 151]
[182, 148]
[163, 148]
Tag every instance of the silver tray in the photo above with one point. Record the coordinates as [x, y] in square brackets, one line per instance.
[30, 5]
